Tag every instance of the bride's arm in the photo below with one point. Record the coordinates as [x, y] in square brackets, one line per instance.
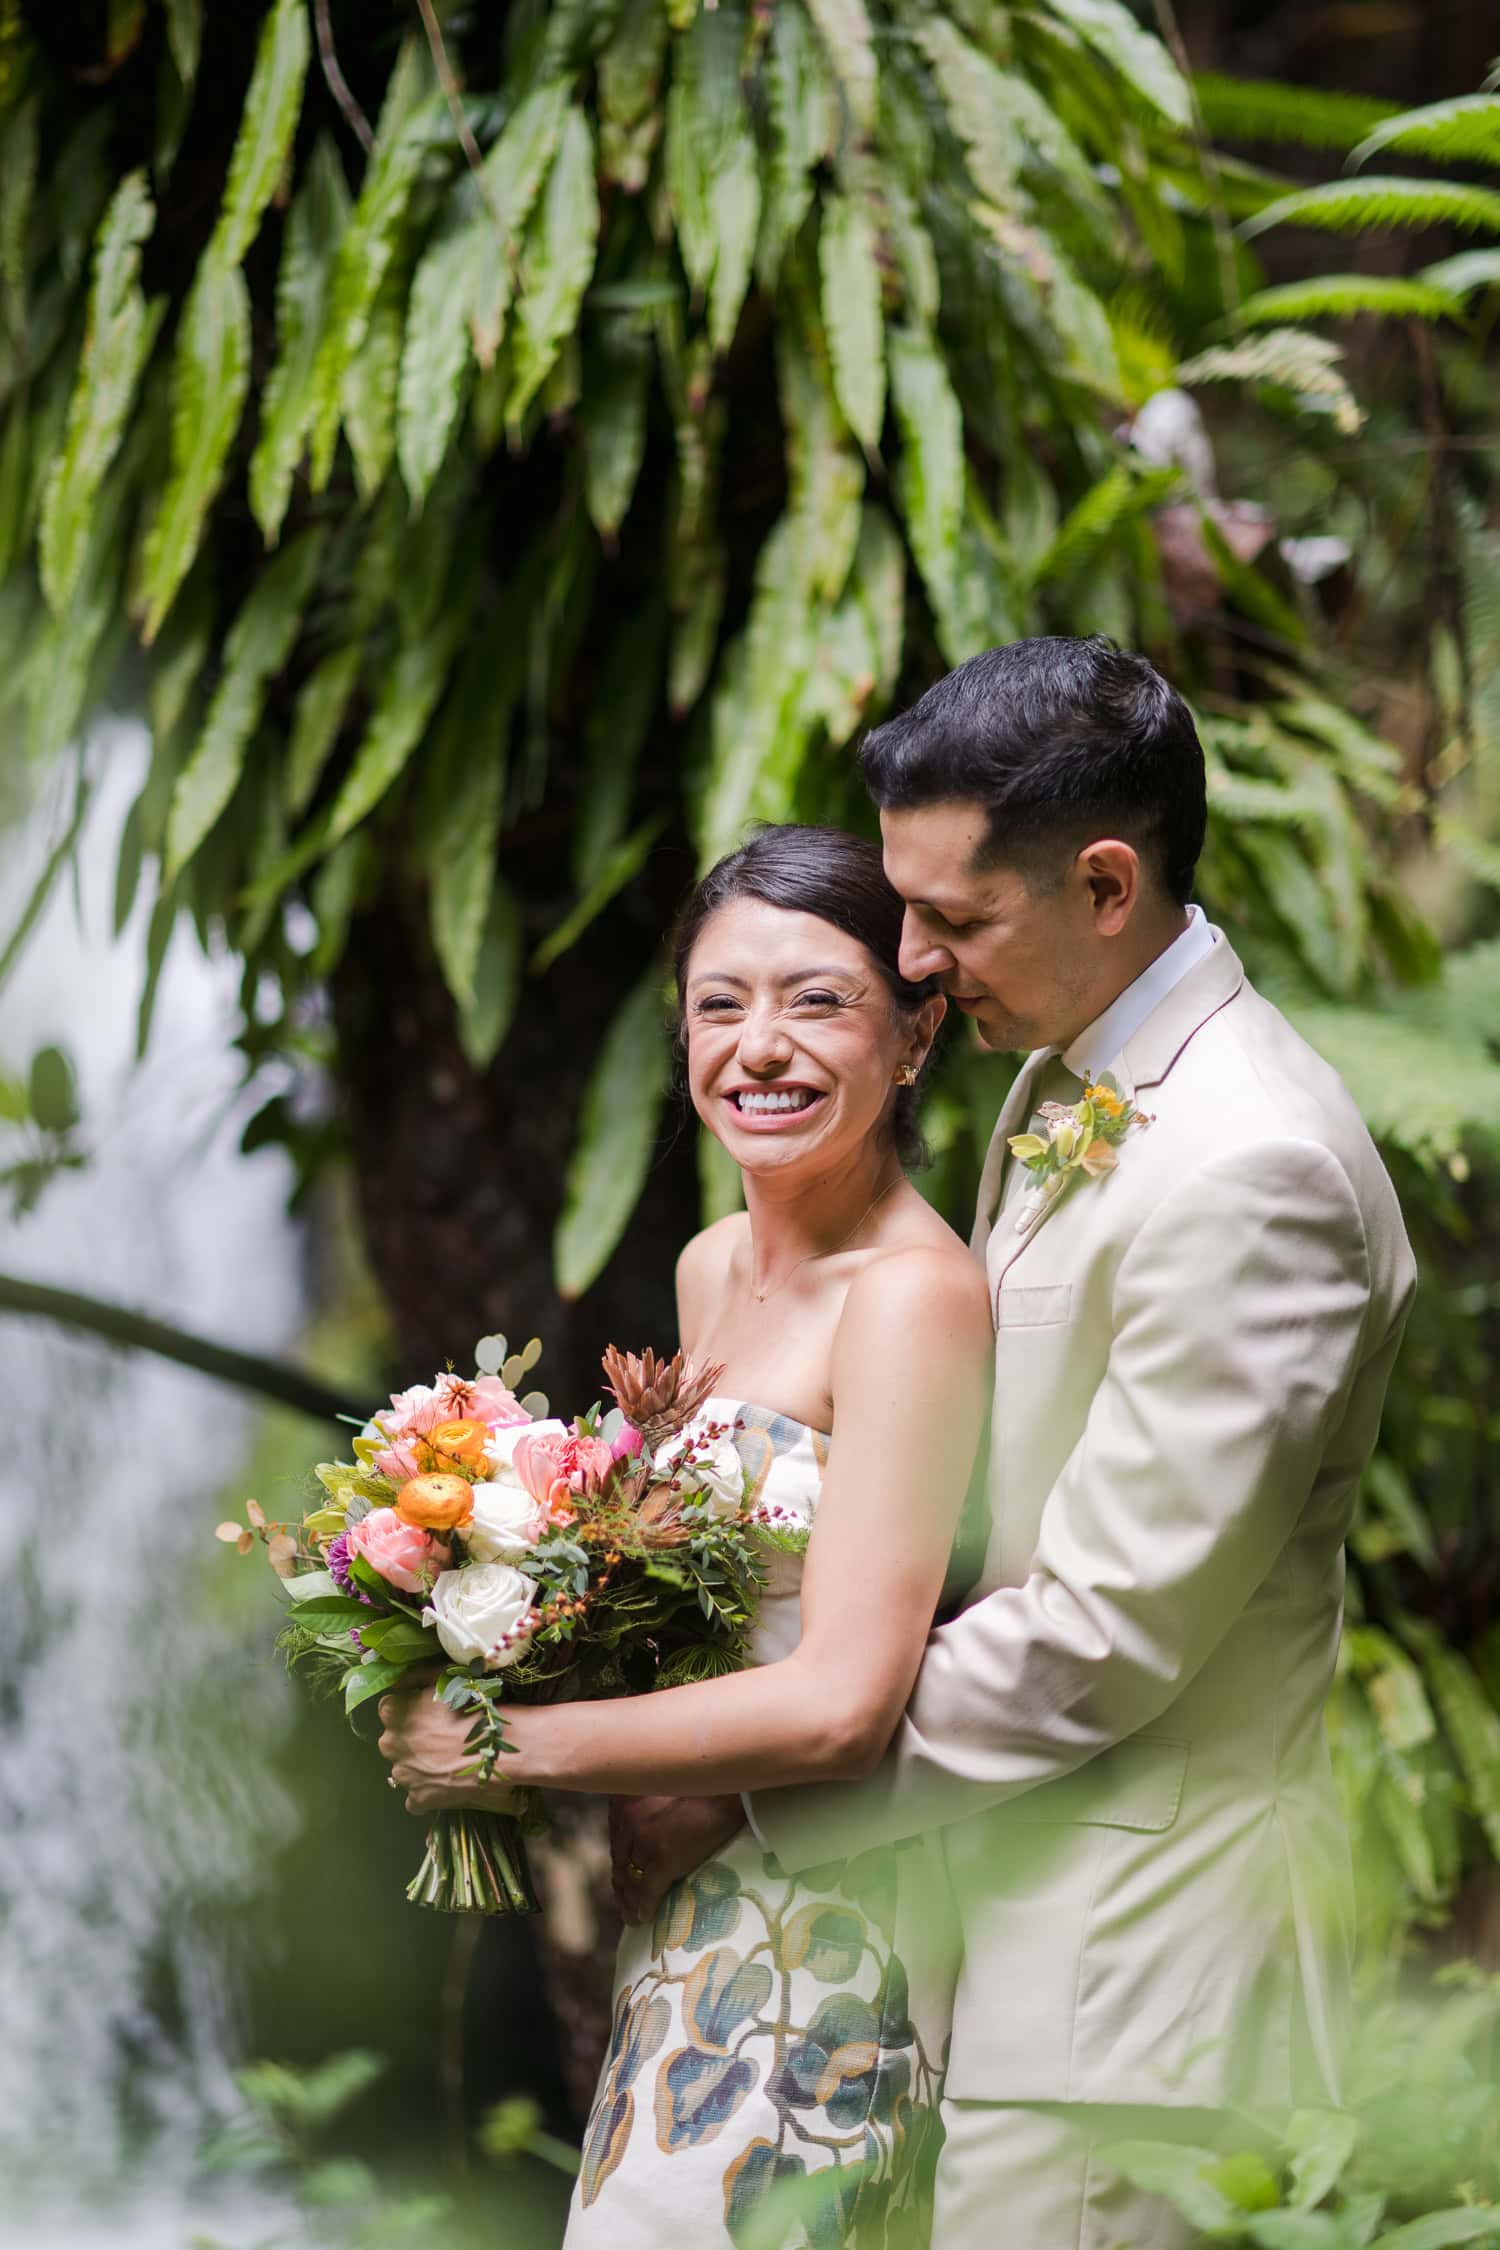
[911, 1368]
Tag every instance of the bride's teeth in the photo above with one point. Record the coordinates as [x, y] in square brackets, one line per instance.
[762, 1105]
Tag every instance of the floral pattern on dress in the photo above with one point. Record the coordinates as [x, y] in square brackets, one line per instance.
[763, 2026]
[793, 1989]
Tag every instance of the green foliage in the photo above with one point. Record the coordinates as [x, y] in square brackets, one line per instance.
[39, 1119]
[1411, 2162]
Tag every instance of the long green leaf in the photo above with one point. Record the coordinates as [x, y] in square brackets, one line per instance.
[437, 352]
[404, 703]
[1352, 206]
[1344, 296]
[852, 315]
[616, 1138]
[630, 686]
[117, 339]
[844, 28]
[482, 1025]
[613, 419]
[316, 721]
[1469, 269]
[1465, 130]
[1260, 109]
[630, 71]
[314, 228]
[557, 262]
[930, 480]
[621, 866]
[264, 140]
[408, 117]
[1471, 1722]
[211, 376]
[1137, 54]
[57, 859]
[258, 645]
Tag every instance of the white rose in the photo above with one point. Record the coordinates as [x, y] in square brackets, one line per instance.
[480, 1613]
[500, 1447]
[718, 1474]
[506, 1523]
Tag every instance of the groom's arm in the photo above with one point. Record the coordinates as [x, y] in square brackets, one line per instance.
[1240, 1312]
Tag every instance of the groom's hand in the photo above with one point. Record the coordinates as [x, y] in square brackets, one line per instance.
[655, 1841]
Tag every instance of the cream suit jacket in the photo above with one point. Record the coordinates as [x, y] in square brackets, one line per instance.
[1121, 1738]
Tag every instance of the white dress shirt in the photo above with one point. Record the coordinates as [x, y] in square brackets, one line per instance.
[1109, 1035]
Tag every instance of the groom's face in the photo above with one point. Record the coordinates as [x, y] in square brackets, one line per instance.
[1017, 956]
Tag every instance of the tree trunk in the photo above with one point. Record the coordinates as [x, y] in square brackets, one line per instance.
[460, 1179]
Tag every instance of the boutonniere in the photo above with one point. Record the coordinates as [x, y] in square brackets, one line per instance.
[1081, 1137]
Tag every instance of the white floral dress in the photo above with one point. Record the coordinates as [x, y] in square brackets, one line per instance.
[777, 2047]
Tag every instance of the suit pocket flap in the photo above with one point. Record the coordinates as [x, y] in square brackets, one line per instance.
[1033, 1308]
[1134, 1784]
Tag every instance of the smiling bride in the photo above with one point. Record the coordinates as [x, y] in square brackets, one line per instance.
[775, 2037]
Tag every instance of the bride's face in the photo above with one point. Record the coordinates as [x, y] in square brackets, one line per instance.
[793, 1040]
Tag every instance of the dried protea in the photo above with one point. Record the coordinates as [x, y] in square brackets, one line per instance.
[658, 1396]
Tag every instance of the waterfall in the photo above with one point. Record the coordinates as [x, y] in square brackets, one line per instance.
[137, 1714]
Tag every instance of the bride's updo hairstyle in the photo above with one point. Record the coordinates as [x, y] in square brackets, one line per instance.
[841, 880]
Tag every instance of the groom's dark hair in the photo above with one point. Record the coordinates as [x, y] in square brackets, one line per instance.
[1061, 741]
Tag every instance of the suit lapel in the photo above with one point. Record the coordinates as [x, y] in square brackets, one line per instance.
[1145, 1061]
[1012, 1119]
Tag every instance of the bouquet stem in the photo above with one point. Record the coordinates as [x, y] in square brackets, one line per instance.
[475, 1864]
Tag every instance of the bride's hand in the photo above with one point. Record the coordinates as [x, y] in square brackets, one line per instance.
[428, 1748]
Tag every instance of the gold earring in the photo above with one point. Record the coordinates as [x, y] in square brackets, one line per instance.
[907, 1075]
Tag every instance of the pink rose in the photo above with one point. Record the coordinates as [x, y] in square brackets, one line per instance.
[626, 1443]
[403, 1555]
[558, 1470]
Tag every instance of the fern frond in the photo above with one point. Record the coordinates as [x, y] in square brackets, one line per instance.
[1426, 1091]
[1341, 296]
[1260, 109]
[1465, 130]
[1288, 356]
[1470, 269]
[1354, 206]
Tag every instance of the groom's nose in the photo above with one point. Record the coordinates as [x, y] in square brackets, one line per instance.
[920, 956]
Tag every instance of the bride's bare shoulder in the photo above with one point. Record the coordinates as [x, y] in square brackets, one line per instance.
[704, 1263]
[923, 1267]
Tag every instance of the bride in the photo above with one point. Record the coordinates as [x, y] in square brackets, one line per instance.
[776, 2038]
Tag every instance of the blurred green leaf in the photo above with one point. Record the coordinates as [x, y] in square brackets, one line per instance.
[616, 1138]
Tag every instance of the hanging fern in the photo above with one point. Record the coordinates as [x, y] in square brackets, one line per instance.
[1343, 296]
[1464, 131]
[1355, 206]
[1304, 364]
[1255, 109]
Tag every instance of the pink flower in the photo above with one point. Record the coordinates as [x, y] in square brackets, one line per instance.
[403, 1555]
[558, 1470]
[627, 1442]
[398, 1462]
[485, 1399]
[415, 1412]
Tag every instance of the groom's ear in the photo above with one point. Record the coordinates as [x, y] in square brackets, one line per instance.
[1112, 870]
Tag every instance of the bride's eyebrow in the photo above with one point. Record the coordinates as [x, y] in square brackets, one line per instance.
[794, 976]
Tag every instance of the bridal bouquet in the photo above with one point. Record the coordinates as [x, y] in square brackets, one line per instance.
[523, 1559]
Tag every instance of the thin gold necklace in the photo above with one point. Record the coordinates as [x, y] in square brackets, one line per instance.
[762, 1295]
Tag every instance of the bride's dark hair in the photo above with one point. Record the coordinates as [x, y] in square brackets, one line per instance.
[839, 878]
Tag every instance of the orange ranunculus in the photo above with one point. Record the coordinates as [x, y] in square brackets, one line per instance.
[435, 1502]
[458, 1444]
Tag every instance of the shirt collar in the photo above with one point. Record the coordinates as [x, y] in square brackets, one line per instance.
[1097, 1046]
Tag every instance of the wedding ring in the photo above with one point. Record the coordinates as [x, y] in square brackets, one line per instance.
[390, 1781]
[636, 1873]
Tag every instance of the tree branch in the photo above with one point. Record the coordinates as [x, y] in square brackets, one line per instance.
[268, 1378]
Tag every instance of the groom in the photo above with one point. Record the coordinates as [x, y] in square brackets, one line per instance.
[1120, 1739]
